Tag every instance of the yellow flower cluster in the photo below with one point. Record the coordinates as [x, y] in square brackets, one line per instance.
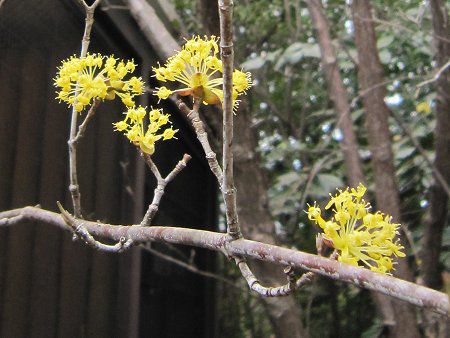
[82, 80]
[357, 234]
[198, 68]
[133, 127]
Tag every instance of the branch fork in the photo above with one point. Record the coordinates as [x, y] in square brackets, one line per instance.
[80, 231]
[160, 185]
[78, 226]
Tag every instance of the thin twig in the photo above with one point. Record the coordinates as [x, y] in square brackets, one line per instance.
[436, 173]
[160, 185]
[435, 77]
[202, 136]
[192, 268]
[397, 25]
[74, 187]
[227, 56]
[293, 283]
[366, 91]
[312, 174]
[80, 231]
[255, 285]
[87, 119]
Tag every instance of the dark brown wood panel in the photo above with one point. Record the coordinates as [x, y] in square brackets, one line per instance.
[51, 286]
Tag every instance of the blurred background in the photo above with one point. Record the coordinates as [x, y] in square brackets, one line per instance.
[344, 92]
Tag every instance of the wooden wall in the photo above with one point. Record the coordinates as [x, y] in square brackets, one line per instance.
[51, 286]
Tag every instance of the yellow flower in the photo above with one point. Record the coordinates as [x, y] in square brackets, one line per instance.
[357, 234]
[169, 133]
[199, 70]
[96, 77]
[423, 107]
[145, 135]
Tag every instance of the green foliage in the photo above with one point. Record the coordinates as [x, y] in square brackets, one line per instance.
[299, 142]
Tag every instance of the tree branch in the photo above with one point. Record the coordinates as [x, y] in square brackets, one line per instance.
[74, 187]
[394, 287]
[160, 185]
[227, 56]
[152, 27]
[199, 128]
[87, 119]
[80, 231]
[436, 172]
[435, 77]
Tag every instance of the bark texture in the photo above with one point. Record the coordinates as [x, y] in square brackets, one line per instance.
[370, 74]
[364, 278]
[438, 212]
[349, 145]
[437, 216]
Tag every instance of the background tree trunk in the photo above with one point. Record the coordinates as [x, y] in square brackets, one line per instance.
[349, 146]
[257, 224]
[437, 215]
[438, 211]
[338, 93]
[253, 206]
[370, 73]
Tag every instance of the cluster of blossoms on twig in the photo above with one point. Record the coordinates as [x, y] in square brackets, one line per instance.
[133, 127]
[357, 234]
[96, 77]
[82, 80]
[198, 69]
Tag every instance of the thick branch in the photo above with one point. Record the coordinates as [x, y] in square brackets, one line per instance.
[394, 287]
